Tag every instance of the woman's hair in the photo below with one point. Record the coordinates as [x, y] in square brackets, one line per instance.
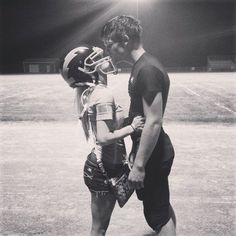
[82, 108]
[120, 27]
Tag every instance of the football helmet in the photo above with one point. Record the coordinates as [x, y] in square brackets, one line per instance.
[82, 65]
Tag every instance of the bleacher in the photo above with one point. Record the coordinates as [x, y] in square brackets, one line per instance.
[221, 63]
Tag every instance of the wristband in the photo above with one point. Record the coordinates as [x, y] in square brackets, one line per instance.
[133, 127]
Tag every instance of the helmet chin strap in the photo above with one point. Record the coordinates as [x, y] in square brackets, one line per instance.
[82, 84]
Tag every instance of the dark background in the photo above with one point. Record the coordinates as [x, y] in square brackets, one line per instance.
[179, 33]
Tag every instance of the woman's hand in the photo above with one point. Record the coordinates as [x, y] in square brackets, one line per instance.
[138, 123]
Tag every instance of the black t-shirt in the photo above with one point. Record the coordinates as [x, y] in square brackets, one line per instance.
[147, 79]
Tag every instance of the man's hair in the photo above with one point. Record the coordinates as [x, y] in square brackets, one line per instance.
[122, 26]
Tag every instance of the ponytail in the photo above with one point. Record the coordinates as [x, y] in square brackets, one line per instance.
[82, 96]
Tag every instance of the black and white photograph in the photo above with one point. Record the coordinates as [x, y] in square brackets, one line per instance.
[117, 117]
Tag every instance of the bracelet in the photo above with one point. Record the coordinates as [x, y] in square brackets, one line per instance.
[133, 127]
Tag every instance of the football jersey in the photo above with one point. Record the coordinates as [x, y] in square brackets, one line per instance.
[147, 79]
[102, 106]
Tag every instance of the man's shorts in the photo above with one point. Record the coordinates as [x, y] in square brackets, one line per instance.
[155, 194]
[94, 178]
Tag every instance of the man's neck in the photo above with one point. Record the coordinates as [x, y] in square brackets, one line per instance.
[137, 53]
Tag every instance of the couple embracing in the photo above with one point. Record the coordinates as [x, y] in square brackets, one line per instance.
[85, 69]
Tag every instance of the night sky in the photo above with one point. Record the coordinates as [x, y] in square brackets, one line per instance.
[179, 33]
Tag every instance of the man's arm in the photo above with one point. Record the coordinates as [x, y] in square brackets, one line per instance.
[150, 134]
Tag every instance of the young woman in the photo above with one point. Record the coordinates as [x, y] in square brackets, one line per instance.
[85, 69]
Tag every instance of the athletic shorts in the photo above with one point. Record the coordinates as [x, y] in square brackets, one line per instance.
[94, 178]
[155, 194]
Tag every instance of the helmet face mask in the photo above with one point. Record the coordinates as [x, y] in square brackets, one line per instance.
[95, 62]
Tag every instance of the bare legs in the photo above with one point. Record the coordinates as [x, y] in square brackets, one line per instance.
[101, 207]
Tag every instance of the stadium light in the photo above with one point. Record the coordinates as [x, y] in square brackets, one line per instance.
[136, 4]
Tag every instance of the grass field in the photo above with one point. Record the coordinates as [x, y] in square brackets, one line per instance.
[43, 151]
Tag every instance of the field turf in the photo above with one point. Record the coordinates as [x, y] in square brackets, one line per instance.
[43, 150]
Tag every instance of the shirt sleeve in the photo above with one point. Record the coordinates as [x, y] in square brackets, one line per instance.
[104, 106]
[150, 82]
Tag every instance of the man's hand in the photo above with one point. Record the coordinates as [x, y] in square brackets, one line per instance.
[136, 177]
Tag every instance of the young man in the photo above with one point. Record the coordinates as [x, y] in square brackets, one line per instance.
[153, 151]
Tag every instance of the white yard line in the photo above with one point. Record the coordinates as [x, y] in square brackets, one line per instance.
[191, 92]
[224, 107]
